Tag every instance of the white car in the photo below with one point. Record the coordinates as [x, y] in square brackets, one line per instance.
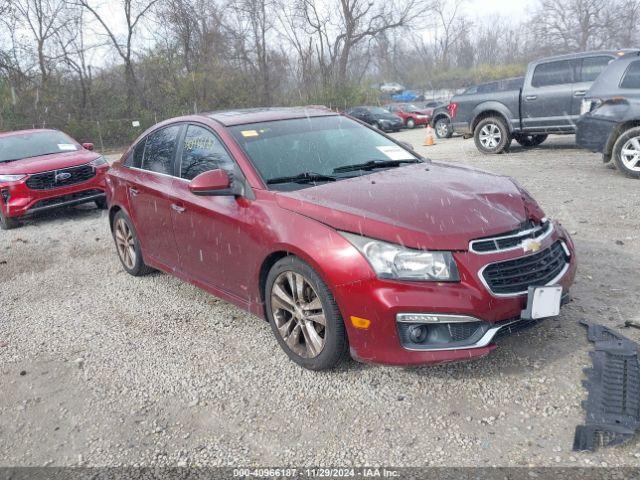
[391, 88]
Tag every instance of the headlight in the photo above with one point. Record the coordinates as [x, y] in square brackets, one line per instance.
[394, 261]
[11, 178]
[98, 161]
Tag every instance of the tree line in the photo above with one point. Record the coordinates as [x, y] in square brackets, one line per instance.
[91, 67]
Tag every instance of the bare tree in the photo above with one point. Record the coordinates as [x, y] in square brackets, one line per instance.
[134, 11]
[43, 19]
[340, 27]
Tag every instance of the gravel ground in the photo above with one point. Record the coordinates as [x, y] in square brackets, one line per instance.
[100, 368]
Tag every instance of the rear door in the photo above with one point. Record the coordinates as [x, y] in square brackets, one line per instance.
[151, 194]
[547, 97]
[588, 70]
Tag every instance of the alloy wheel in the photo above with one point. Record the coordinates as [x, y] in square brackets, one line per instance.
[442, 129]
[125, 243]
[630, 154]
[298, 314]
[490, 136]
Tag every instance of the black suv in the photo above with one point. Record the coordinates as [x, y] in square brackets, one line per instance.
[378, 117]
[611, 124]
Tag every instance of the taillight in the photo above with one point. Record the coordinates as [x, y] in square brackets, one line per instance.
[453, 109]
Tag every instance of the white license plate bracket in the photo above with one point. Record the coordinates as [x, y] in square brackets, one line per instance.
[543, 302]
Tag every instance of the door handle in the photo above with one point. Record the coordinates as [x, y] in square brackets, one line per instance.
[133, 191]
[177, 208]
[579, 93]
[530, 98]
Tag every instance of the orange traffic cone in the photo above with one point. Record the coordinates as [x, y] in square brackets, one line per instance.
[431, 137]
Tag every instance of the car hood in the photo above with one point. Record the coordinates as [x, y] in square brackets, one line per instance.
[44, 163]
[428, 206]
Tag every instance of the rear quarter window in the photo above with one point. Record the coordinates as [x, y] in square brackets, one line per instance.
[631, 78]
[553, 73]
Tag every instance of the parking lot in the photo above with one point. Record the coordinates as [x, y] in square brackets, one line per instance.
[101, 368]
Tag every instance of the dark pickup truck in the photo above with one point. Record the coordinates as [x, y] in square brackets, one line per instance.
[546, 100]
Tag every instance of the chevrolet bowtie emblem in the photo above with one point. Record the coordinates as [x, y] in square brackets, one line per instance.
[531, 245]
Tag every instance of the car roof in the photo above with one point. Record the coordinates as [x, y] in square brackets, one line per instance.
[569, 56]
[17, 133]
[243, 116]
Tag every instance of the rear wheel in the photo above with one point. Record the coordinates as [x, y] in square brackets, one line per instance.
[492, 136]
[410, 123]
[443, 128]
[626, 153]
[128, 246]
[304, 315]
[528, 141]
[8, 223]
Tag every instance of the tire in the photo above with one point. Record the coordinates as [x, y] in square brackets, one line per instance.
[443, 128]
[101, 203]
[292, 323]
[410, 123]
[626, 153]
[8, 223]
[132, 261]
[492, 136]
[529, 141]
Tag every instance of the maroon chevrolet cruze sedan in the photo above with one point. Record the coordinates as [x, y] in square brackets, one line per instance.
[45, 169]
[344, 239]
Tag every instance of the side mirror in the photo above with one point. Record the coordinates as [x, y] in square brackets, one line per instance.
[88, 146]
[213, 183]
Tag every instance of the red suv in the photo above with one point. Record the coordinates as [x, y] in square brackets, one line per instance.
[45, 169]
[344, 239]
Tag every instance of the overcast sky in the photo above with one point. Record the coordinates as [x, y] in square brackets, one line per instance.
[515, 9]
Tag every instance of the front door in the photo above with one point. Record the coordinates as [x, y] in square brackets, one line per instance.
[210, 231]
[151, 194]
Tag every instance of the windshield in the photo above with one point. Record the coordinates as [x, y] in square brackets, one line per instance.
[321, 146]
[411, 108]
[379, 111]
[35, 144]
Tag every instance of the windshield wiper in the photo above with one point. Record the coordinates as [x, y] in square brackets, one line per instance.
[373, 164]
[304, 177]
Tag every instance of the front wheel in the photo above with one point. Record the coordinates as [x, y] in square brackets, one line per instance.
[492, 136]
[410, 123]
[304, 315]
[443, 128]
[626, 153]
[529, 141]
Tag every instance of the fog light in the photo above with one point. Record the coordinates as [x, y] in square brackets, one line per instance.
[417, 333]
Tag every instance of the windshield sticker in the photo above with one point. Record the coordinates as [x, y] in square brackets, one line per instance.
[394, 152]
[250, 133]
[66, 147]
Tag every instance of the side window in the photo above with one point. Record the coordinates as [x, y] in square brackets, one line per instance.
[135, 157]
[160, 150]
[592, 67]
[553, 73]
[631, 77]
[202, 151]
